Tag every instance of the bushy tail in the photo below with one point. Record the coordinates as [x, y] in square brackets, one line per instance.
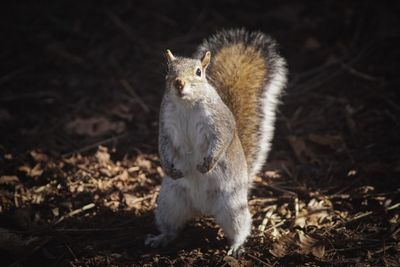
[249, 75]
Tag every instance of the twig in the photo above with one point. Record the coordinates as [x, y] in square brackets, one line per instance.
[359, 74]
[74, 212]
[95, 145]
[70, 250]
[259, 260]
[274, 187]
[17, 72]
[395, 206]
[127, 31]
[319, 77]
[36, 95]
[355, 248]
[274, 226]
[127, 86]
[89, 230]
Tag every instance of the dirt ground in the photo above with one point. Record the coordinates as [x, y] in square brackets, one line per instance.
[80, 88]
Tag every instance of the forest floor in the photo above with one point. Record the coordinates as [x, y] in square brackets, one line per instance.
[80, 88]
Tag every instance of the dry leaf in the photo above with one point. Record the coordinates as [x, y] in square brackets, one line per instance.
[32, 172]
[280, 248]
[305, 243]
[11, 180]
[143, 162]
[95, 126]
[102, 155]
[36, 171]
[122, 111]
[231, 261]
[318, 251]
[39, 157]
[300, 150]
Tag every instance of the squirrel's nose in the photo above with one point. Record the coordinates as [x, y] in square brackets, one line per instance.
[179, 84]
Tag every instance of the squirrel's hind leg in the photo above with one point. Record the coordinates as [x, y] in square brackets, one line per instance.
[173, 211]
[235, 220]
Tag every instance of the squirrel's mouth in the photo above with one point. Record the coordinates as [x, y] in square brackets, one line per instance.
[180, 93]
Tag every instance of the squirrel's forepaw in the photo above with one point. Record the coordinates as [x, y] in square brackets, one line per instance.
[235, 251]
[173, 173]
[206, 166]
[201, 168]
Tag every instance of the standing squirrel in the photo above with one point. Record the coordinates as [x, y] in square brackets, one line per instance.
[216, 125]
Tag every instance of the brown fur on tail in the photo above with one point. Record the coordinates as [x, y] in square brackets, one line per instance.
[242, 70]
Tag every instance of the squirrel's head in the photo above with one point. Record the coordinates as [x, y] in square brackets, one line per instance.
[186, 76]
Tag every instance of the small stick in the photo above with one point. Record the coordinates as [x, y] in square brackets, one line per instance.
[259, 260]
[359, 73]
[74, 212]
[91, 146]
[274, 226]
[132, 92]
[281, 189]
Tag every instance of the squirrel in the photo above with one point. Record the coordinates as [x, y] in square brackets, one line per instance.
[216, 125]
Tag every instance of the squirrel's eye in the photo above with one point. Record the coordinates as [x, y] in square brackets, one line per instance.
[198, 72]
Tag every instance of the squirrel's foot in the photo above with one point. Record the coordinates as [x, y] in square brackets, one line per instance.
[156, 241]
[235, 251]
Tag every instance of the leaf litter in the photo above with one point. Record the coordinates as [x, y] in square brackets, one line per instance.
[79, 175]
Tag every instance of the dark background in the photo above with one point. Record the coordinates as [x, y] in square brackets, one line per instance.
[78, 74]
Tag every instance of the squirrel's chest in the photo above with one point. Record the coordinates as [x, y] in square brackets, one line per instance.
[188, 128]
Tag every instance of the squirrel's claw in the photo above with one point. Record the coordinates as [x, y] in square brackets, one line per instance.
[175, 174]
[206, 166]
[235, 251]
[157, 241]
[201, 168]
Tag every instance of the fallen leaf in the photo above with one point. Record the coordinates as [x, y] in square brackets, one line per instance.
[281, 247]
[94, 126]
[305, 243]
[36, 171]
[231, 261]
[32, 172]
[143, 162]
[11, 180]
[318, 251]
[303, 154]
[122, 111]
[102, 155]
[39, 157]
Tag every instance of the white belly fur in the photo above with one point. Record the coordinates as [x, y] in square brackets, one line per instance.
[189, 134]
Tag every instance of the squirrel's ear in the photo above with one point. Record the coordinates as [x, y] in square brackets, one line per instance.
[205, 60]
[170, 57]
